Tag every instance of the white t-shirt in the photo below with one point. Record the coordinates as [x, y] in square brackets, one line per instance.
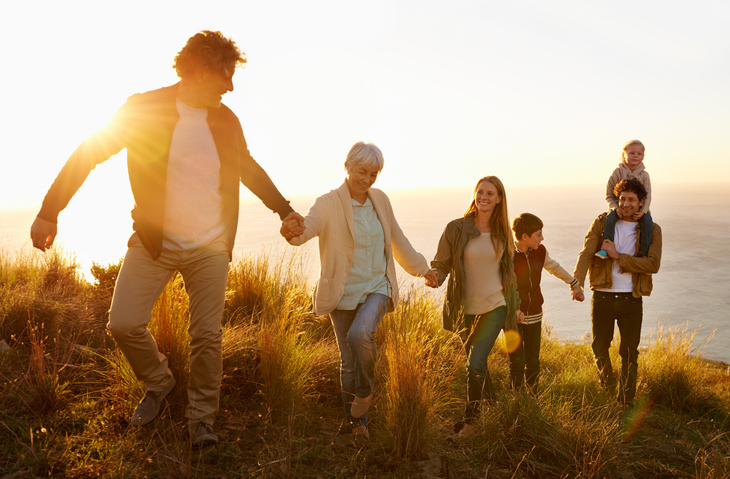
[625, 241]
[193, 200]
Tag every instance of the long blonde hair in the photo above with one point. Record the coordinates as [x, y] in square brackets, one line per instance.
[502, 238]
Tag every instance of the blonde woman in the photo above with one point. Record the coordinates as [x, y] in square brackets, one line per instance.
[475, 252]
[358, 240]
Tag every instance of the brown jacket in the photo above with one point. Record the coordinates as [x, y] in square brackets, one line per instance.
[449, 261]
[600, 270]
[144, 126]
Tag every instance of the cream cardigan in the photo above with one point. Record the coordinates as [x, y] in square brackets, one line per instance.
[331, 219]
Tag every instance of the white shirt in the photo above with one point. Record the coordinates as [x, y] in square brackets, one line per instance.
[625, 241]
[193, 200]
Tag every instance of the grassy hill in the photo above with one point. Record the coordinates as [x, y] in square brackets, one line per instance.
[66, 393]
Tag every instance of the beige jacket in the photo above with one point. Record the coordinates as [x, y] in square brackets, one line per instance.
[623, 172]
[331, 219]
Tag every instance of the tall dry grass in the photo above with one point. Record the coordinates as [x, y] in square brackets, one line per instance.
[417, 368]
[169, 327]
[293, 356]
[675, 375]
[66, 393]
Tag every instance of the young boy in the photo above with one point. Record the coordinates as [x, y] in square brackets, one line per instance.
[631, 167]
[530, 259]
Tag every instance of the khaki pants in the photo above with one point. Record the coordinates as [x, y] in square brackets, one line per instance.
[141, 280]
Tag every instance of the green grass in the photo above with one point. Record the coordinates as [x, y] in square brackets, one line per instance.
[66, 392]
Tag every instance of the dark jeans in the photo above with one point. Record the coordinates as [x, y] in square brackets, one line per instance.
[645, 223]
[531, 338]
[481, 332]
[626, 311]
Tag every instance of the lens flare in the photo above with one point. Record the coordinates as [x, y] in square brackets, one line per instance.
[635, 418]
[512, 341]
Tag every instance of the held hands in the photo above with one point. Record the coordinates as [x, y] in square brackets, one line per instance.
[432, 278]
[576, 293]
[42, 233]
[520, 317]
[292, 226]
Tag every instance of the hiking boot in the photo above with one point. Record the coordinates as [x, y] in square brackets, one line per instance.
[602, 254]
[201, 434]
[360, 406]
[149, 406]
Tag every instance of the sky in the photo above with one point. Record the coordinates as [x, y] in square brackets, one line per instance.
[534, 92]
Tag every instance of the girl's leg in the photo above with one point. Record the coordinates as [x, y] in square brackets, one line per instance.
[609, 228]
[647, 229]
[608, 231]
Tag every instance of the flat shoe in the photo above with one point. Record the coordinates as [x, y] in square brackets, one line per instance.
[360, 406]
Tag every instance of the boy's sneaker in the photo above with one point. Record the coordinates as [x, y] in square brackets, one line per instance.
[201, 434]
[602, 254]
[149, 407]
[360, 436]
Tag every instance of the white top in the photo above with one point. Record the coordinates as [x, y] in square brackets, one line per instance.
[483, 289]
[193, 201]
[625, 241]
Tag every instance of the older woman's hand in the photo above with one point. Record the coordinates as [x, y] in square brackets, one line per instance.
[292, 226]
[432, 278]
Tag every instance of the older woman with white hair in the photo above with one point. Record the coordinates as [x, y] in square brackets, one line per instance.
[358, 239]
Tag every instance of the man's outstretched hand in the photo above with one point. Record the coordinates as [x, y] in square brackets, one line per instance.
[42, 233]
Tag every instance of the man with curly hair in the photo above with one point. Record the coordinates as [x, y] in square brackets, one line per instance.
[618, 284]
[186, 154]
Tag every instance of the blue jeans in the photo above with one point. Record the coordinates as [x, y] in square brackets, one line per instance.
[481, 332]
[355, 332]
[645, 223]
[626, 311]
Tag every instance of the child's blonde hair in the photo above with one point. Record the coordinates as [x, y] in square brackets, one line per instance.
[628, 144]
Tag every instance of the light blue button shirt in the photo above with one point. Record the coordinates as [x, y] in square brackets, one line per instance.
[368, 271]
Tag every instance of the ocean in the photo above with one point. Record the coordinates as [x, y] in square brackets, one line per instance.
[691, 289]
